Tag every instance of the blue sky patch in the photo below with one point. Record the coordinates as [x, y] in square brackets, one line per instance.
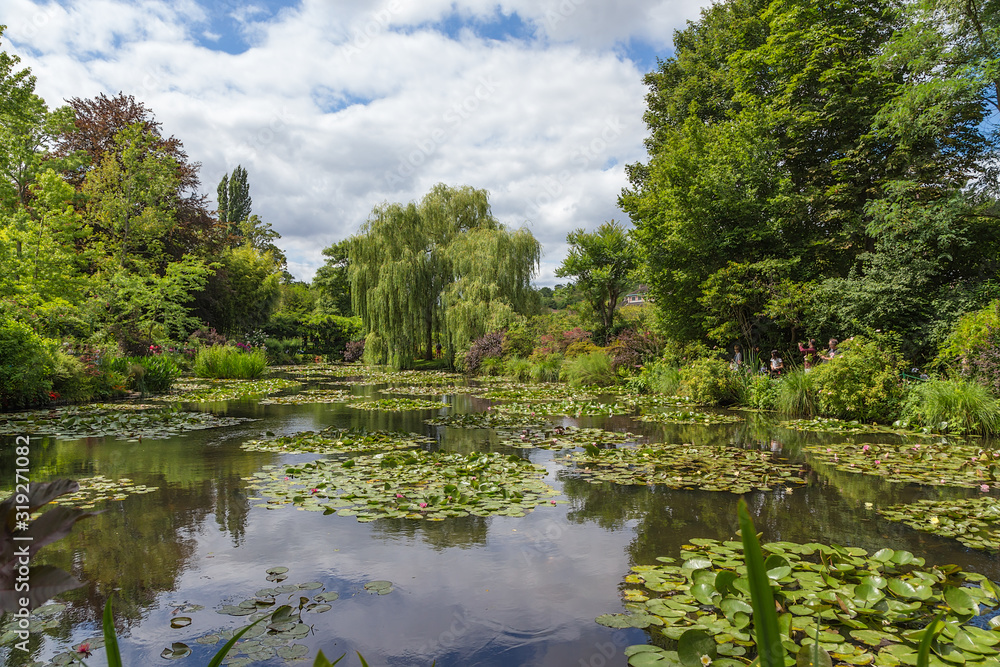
[224, 30]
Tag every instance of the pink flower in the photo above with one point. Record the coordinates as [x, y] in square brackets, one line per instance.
[985, 488]
[399, 495]
[313, 490]
[865, 448]
[553, 502]
[877, 462]
[423, 504]
[84, 648]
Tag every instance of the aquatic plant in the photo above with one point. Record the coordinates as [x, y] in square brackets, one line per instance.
[787, 603]
[797, 394]
[592, 368]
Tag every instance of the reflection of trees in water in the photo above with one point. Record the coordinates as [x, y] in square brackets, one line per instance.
[137, 548]
[462, 532]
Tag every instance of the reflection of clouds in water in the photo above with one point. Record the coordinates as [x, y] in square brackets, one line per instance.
[506, 586]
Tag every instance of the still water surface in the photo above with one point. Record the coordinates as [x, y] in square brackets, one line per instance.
[493, 591]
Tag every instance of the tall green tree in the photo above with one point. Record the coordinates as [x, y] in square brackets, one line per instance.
[332, 281]
[234, 199]
[406, 261]
[603, 263]
[794, 141]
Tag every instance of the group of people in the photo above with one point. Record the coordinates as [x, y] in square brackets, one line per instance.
[775, 365]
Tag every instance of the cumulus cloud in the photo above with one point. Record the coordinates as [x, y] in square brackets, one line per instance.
[335, 107]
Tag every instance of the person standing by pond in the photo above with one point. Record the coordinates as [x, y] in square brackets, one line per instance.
[776, 364]
[831, 350]
[808, 354]
[737, 357]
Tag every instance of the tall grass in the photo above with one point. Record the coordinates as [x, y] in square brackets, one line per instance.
[797, 394]
[955, 406]
[547, 368]
[220, 361]
[593, 368]
[518, 369]
[662, 377]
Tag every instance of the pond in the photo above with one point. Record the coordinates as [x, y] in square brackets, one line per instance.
[507, 587]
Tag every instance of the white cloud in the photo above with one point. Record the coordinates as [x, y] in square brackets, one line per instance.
[335, 108]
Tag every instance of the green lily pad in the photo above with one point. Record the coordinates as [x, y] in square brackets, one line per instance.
[176, 651]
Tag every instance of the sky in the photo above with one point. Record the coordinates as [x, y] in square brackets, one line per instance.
[336, 106]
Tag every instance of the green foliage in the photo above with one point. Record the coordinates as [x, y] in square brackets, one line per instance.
[951, 406]
[547, 367]
[798, 394]
[70, 380]
[153, 374]
[662, 377]
[755, 390]
[25, 365]
[862, 382]
[819, 167]
[223, 361]
[708, 381]
[603, 263]
[283, 351]
[234, 198]
[971, 334]
[444, 270]
[591, 368]
[518, 368]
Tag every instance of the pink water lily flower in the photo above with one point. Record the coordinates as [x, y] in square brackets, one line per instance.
[985, 488]
[865, 448]
[399, 495]
[423, 504]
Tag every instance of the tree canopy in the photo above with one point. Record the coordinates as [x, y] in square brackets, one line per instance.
[604, 263]
[442, 269]
[820, 166]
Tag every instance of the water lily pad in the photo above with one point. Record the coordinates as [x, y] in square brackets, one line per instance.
[177, 650]
[975, 522]
[706, 467]
[860, 599]
[338, 440]
[415, 483]
[180, 621]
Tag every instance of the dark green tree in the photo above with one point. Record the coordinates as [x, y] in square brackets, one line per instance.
[603, 262]
[792, 142]
[234, 200]
[332, 281]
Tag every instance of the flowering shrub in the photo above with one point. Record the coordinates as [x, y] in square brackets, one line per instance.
[863, 382]
[354, 351]
[490, 345]
[631, 349]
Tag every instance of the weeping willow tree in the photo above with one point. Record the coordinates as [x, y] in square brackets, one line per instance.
[444, 268]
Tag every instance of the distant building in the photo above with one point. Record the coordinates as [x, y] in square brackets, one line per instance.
[637, 297]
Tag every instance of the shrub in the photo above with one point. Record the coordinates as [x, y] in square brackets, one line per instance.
[282, 351]
[863, 382]
[707, 381]
[490, 345]
[580, 348]
[797, 394]
[632, 349]
[230, 362]
[519, 369]
[354, 351]
[662, 377]
[70, 379]
[154, 374]
[546, 368]
[954, 406]
[593, 368]
[761, 392]
[25, 365]
[205, 337]
[492, 367]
